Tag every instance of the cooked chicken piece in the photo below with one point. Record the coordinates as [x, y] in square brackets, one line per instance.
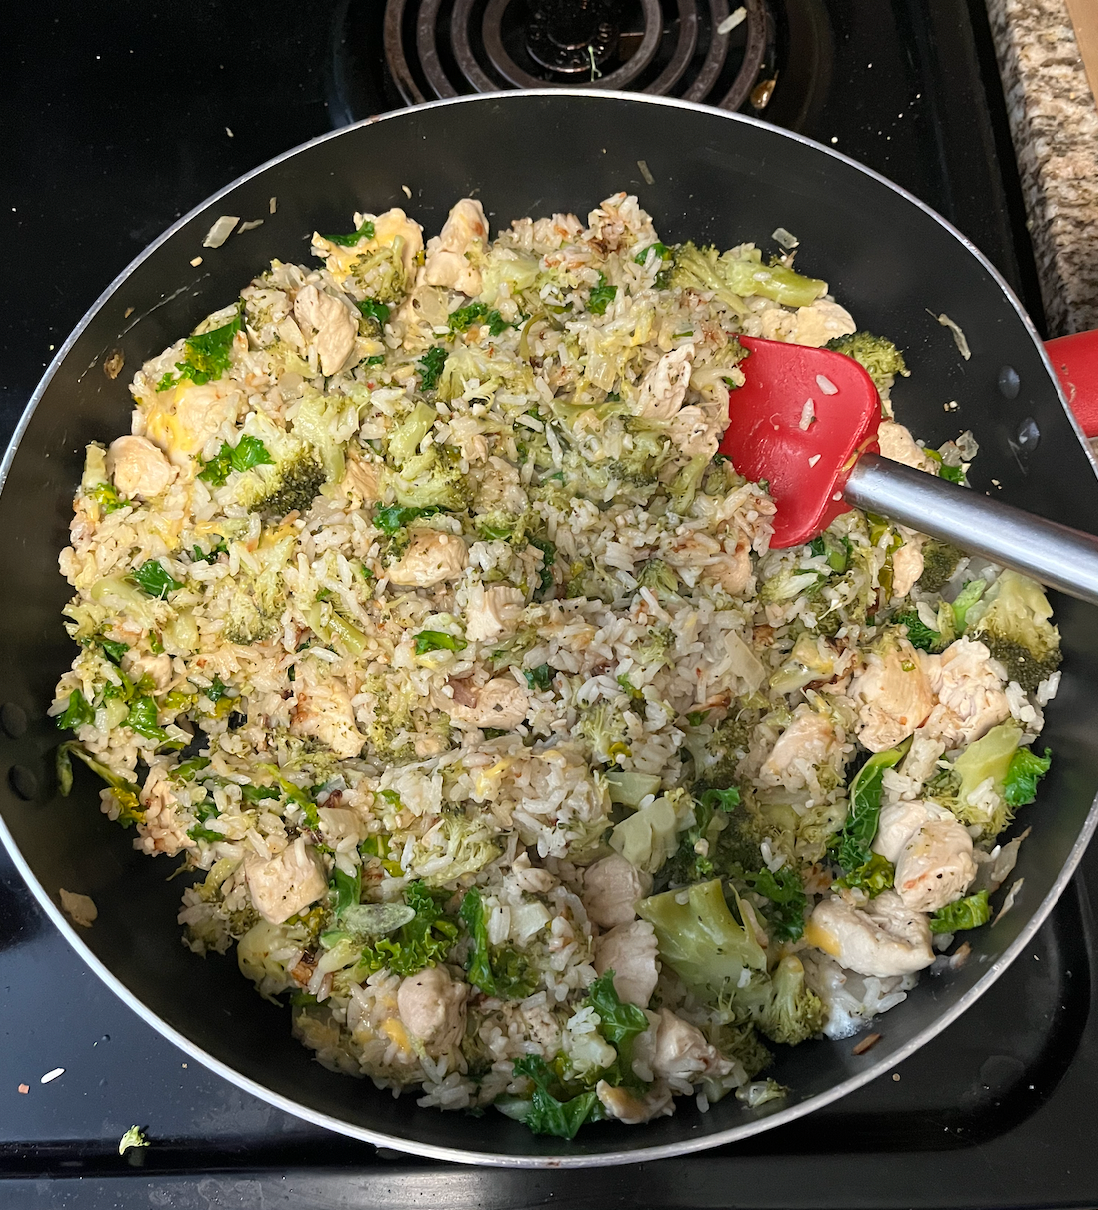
[931, 851]
[673, 1047]
[897, 443]
[158, 668]
[529, 877]
[138, 467]
[500, 488]
[733, 571]
[820, 322]
[491, 611]
[447, 263]
[922, 757]
[334, 322]
[360, 480]
[971, 698]
[501, 703]
[340, 823]
[907, 567]
[183, 420]
[432, 1007]
[629, 950]
[884, 938]
[893, 696]
[431, 557]
[620, 1103]
[611, 888]
[697, 430]
[809, 738]
[663, 387]
[323, 711]
[283, 885]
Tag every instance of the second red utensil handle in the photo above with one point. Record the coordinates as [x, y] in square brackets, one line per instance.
[1075, 360]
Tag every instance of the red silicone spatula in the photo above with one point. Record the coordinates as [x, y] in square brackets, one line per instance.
[806, 421]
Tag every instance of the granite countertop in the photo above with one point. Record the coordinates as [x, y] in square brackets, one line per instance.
[1054, 123]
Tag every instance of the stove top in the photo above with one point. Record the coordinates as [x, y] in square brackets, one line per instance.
[122, 117]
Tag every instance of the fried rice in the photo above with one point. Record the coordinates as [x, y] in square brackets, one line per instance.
[419, 616]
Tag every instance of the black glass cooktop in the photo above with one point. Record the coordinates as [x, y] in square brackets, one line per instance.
[117, 119]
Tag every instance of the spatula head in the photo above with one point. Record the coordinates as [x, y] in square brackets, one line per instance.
[800, 422]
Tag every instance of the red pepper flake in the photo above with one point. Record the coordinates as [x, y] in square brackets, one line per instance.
[24, 1088]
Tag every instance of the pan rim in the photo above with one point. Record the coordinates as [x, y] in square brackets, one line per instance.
[497, 1159]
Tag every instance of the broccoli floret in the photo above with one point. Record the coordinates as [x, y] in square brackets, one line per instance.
[255, 608]
[603, 727]
[660, 577]
[296, 486]
[781, 1005]
[1013, 621]
[877, 355]
[432, 480]
[734, 278]
[742, 1044]
[702, 942]
[940, 561]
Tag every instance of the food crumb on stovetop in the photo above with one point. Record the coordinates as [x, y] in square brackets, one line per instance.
[24, 1088]
[869, 1041]
[132, 1138]
[52, 1075]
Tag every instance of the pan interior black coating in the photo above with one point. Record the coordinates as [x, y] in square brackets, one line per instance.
[716, 178]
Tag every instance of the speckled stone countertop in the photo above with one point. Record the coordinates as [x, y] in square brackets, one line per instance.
[1054, 123]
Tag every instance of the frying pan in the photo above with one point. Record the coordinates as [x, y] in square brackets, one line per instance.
[718, 178]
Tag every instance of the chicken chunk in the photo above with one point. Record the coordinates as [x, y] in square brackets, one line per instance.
[663, 387]
[892, 695]
[884, 938]
[138, 467]
[629, 950]
[820, 322]
[673, 1047]
[907, 567]
[931, 851]
[432, 1007]
[158, 668]
[897, 443]
[360, 480]
[611, 888]
[447, 261]
[431, 558]
[501, 703]
[809, 739]
[491, 611]
[182, 421]
[285, 884]
[334, 322]
[971, 698]
[323, 711]
[620, 1103]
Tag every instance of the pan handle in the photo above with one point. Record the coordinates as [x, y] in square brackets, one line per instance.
[1057, 555]
[1075, 360]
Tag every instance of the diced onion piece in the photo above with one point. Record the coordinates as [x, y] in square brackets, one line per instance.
[250, 225]
[649, 179]
[786, 238]
[220, 231]
[814, 459]
[734, 18]
[958, 335]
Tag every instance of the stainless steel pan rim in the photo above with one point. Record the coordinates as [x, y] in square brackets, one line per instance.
[459, 1155]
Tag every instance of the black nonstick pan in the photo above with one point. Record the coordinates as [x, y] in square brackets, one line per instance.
[716, 178]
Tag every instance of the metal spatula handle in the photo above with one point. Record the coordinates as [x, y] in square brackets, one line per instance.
[1057, 555]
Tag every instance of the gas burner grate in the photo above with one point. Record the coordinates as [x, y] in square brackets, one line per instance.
[682, 48]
